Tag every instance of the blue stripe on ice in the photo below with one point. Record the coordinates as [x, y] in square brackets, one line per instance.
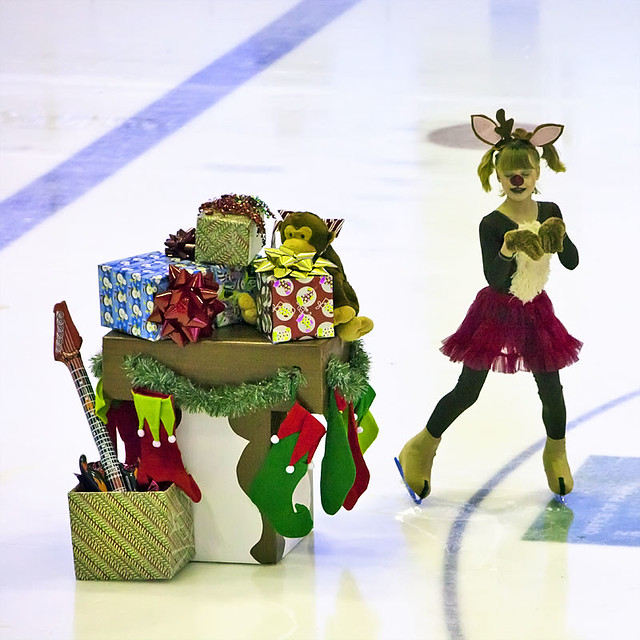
[83, 171]
[605, 511]
[450, 595]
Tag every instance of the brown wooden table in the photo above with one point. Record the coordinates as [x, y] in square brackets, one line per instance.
[233, 355]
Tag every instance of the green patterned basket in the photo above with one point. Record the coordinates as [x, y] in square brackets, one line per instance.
[130, 536]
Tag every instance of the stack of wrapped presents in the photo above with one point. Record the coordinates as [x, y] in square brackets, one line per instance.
[223, 371]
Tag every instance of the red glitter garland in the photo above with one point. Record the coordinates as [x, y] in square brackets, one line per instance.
[239, 205]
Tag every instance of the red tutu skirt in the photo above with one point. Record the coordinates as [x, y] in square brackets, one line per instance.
[501, 333]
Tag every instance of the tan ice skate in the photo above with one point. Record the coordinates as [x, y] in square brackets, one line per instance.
[414, 464]
[556, 466]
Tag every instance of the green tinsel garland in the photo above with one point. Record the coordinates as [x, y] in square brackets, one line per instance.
[350, 378]
[96, 365]
[227, 400]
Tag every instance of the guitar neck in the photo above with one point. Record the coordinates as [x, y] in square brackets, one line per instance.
[108, 456]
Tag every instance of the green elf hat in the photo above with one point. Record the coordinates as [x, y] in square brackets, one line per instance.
[154, 408]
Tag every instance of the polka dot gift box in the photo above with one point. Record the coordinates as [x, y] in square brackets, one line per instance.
[295, 308]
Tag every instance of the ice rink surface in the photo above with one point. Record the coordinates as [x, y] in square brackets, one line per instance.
[120, 118]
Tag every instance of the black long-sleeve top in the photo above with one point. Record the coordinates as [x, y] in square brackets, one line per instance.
[499, 270]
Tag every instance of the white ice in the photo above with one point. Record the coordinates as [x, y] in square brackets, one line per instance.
[366, 120]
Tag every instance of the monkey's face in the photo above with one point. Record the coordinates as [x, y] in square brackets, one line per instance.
[298, 239]
[305, 232]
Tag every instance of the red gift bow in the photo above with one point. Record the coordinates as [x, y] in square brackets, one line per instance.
[187, 308]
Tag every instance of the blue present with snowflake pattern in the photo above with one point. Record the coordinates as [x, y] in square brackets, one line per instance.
[127, 289]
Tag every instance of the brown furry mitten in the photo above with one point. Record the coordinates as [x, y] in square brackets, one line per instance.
[526, 241]
[551, 235]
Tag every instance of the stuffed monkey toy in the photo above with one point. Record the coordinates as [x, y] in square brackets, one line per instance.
[304, 232]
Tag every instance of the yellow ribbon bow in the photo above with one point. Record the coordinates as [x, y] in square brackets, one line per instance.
[284, 262]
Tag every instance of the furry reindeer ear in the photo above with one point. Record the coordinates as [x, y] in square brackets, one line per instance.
[484, 129]
[546, 134]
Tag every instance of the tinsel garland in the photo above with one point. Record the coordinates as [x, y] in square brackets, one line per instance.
[96, 365]
[350, 378]
[227, 400]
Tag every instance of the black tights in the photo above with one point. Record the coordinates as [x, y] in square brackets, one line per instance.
[466, 392]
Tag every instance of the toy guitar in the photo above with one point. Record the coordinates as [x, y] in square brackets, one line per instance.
[66, 348]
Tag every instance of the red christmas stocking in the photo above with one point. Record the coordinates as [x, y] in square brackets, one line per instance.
[160, 457]
[361, 482]
[123, 417]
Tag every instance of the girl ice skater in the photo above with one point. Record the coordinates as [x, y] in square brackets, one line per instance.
[511, 325]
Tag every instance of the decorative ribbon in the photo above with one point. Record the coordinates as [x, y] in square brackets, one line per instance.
[187, 308]
[284, 262]
[181, 245]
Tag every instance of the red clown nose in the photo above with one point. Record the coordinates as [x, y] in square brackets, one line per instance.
[516, 180]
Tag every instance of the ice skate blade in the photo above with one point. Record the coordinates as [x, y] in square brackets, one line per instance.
[417, 499]
[559, 497]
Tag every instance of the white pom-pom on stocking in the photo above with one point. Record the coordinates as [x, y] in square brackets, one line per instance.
[172, 439]
[290, 469]
[275, 439]
[141, 433]
[157, 443]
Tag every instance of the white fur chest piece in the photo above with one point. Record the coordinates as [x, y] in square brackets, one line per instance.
[531, 275]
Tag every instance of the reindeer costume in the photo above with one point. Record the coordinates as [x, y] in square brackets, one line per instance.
[511, 325]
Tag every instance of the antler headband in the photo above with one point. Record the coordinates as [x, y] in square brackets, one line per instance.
[497, 134]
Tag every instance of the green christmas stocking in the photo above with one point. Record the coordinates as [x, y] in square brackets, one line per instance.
[367, 431]
[338, 468]
[367, 426]
[272, 488]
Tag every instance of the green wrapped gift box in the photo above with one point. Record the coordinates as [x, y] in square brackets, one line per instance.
[227, 239]
[130, 536]
[231, 230]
